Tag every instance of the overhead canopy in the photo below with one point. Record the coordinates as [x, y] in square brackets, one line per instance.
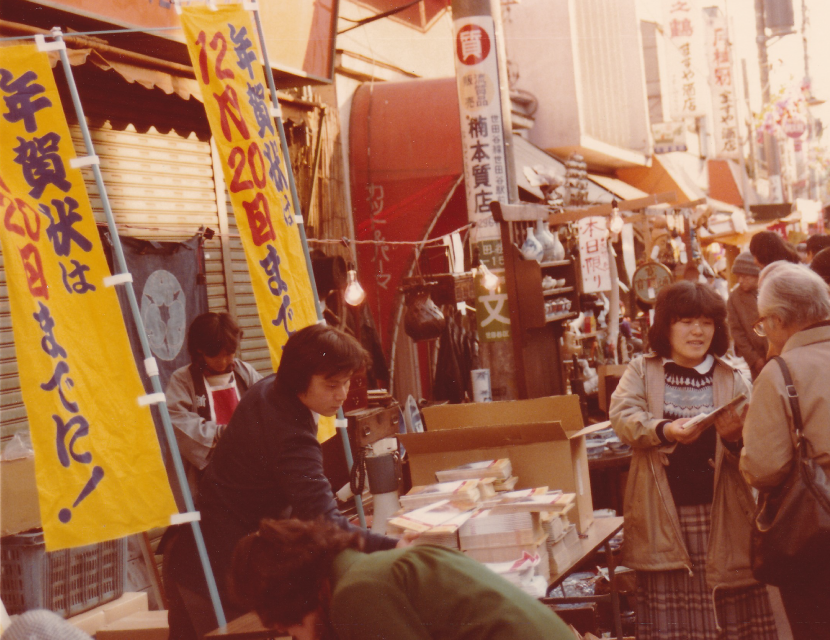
[622, 190]
[529, 156]
[663, 175]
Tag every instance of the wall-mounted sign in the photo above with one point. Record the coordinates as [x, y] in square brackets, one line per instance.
[593, 254]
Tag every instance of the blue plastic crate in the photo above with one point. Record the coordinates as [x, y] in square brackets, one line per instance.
[67, 582]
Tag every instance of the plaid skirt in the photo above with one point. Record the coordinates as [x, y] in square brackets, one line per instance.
[672, 605]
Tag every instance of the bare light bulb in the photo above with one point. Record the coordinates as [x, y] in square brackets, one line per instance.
[354, 293]
[617, 223]
[489, 280]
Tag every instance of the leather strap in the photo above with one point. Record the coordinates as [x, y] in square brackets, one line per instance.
[792, 394]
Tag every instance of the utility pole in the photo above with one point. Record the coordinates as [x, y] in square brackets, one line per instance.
[812, 186]
[776, 191]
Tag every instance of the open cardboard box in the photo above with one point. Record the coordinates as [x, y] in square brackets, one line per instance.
[543, 437]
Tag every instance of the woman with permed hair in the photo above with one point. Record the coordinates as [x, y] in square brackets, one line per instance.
[312, 581]
[688, 511]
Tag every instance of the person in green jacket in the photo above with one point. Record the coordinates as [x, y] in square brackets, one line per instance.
[310, 580]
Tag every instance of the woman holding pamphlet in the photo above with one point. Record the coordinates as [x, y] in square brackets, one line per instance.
[688, 511]
[312, 581]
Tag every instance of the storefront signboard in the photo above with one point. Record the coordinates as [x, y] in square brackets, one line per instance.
[722, 84]
[684, 54]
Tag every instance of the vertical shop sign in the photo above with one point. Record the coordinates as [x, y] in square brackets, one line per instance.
[722, 85]
[482, 130]
[593, 254]
[685, 58]
[99, 469]
[238, 107]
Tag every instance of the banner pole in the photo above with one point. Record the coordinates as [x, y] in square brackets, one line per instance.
[298, 216]
[121, 267]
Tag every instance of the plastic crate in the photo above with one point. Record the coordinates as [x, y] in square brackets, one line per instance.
[67, 582]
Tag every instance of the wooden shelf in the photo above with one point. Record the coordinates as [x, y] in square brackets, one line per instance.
[550, 292]
[555, 263]
[561, 316]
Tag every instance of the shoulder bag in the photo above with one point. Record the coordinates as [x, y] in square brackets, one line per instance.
[791, 537]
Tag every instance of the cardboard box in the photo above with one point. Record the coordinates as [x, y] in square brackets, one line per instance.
[543, 437]
[19, 507]
[142, 625]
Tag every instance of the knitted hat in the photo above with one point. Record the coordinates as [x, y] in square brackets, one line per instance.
[745, 264]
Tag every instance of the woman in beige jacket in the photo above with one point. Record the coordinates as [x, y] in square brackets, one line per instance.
[794, 304]
[688, 512]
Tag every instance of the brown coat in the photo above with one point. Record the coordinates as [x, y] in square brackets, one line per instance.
[742, 312]
[653, 540]
[768, 446]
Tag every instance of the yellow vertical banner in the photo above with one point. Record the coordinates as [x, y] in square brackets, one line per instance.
[238, 106]
[98, 464]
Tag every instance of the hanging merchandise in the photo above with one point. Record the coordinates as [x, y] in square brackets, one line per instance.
[456, 351]
[423, 319]
[532, 249]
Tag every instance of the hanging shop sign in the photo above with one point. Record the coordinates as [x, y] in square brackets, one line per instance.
[593, 254]
[722, 84]
[684, 58]
[238, 107]
[482, 130]
[649, 279]
[99, 469]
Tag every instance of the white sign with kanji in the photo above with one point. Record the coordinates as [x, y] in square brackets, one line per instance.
[722, 83]
[482, 130]
[683, 28]
[593, 254]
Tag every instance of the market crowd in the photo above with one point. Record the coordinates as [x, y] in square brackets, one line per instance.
[690, 501]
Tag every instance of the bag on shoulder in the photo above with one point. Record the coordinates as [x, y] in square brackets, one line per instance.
[791, 537]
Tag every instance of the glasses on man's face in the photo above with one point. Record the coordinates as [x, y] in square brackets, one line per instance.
[758, 327]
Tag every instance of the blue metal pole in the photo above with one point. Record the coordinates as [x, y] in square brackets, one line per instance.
[121, 267]
[298, 218]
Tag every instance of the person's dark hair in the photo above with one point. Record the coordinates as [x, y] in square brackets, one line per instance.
[318, 349]
[817, 242]
[211, 333]
[281, 570]
[768, 247]
[821, 264]
[688, 300]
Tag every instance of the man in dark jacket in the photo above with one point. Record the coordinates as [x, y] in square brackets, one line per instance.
[742, 311]
[268, 464]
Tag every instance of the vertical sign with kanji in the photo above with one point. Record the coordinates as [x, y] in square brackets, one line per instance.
[98, 464]
[685, 58]
[722, 84]
[238, 107]
[482, 130]
[485, 158]
[593, 254]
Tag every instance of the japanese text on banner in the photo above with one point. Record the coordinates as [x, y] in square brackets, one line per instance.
[238, 107]
[685, 57]
[99, 469]
[593, 254]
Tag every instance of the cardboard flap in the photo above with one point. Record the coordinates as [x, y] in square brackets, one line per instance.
[564, 409]
[591, 428]
[488, 437]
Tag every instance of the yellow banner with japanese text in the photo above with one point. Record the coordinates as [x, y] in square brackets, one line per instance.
[238, 106]
[98, 464]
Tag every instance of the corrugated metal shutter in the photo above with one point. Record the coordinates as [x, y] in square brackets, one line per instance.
[254, 347]
[160, 187]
